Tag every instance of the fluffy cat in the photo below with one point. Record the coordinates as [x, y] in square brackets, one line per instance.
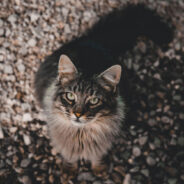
[82, 84]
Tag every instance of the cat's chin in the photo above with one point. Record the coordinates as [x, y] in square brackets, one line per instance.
[78, 123]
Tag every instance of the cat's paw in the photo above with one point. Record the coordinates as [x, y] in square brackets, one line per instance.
[69, 171]
[101, 170]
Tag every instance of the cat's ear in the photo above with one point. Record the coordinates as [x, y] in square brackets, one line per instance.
[66, 69]
[110, 77]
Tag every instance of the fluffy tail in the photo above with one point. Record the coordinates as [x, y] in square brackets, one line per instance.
[118, 30]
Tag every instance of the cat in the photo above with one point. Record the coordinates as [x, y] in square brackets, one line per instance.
[82, 85]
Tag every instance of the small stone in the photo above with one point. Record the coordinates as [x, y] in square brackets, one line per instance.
[145, 172]
[34, 17]
[172, 180]
[32, 42]
[177, 46]
[136, 151]
[8, 32]
[8, 69]
[23, 51]
[108, 182]
[157, 76]
[177, 97]
[1, 57]
[120, 170]
[13, 129]
[1, 133]
[181, 116]
[150, 161]
[165, 119]
[152, 122]
[182, 177]
[127, 179]
[25, 162]
[27, 140]
[181, 141]
[67, 29]
[27, 117]
[97, 182]
[85, 176]
[25, 180]
[143, 140]
[64, 11]
[116, 177]
[12, 18]
[51, 179]
[21, 67]
[157, 142]
[1, 32]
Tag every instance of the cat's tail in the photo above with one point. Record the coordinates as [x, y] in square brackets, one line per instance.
[118, 30]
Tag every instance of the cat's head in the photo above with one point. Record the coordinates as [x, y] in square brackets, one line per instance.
[84, 100]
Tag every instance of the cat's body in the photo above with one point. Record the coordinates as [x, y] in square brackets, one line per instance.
[81, 93]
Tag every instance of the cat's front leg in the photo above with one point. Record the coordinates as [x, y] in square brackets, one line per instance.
[69, 170]
[100, 169]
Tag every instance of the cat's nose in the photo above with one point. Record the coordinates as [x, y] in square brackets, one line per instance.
[78, 114]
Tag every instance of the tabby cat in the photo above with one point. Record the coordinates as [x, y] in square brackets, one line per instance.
[82, 85]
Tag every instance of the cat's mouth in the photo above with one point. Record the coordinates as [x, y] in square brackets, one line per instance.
[78, 122]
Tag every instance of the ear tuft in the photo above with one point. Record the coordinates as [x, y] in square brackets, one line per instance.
[66, 69]
[110, 77]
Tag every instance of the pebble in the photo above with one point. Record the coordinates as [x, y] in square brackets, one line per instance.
[25, 180]
[181, 116]
[1, 32]
[34, 17]
[67, 29]
[150, 161]
[172, 181]
[27, 117]
[152, 122]
[12, 18]
[165, 119]
[136, 151]
[145, 172]
[108, 182]
[25, 162]
[181, 141]
[1, 132]
[177, 97]
[1, 57]
[85, 176]
[157, 142]
[27, 139]
[142, 140]
[21, 67]
[127, 179]
[32, 42]
[97, 182]
[8, 69]
[13, 129]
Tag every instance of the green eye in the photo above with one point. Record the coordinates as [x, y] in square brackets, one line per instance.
[94, 101]
[70, 96]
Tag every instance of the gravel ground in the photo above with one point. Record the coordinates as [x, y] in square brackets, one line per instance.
[151, 149]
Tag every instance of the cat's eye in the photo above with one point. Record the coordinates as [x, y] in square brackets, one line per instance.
[94, 101]
[70, 96]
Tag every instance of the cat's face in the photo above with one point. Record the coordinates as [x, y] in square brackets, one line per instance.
[84, 100]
